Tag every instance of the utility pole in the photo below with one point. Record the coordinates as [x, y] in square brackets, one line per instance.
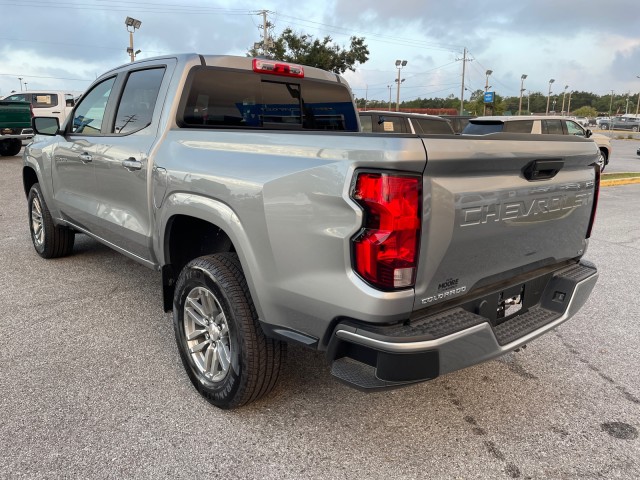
[266, 39]
[20, 78]
[464, 66]
[389, 87]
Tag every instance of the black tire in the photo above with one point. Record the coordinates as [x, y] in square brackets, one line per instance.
[49, 240]
[253, 360]
[10, 147]
[635, 129]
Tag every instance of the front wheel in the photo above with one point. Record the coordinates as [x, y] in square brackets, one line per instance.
[602, 160]
[49, 240]
[635, 129]
[223, 348]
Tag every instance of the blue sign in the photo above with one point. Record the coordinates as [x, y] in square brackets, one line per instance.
[488, 97]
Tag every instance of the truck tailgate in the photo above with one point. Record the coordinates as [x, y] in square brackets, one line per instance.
[494, 207]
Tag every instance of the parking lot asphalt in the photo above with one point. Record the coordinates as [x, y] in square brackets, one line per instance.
[624, 157]
[92, 386]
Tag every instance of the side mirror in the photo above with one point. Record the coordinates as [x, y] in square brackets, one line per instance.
[588, 133]
[46, 125]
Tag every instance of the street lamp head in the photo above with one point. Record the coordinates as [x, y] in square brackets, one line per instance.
[489, 72]
[524, 75]
[551, 81]
[566, 86]
[398, 62]
[404, 62]
[132, 22]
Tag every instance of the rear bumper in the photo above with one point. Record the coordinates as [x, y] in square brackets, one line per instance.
[370, 358]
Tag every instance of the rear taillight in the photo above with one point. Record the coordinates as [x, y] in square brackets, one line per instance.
[277, 68]
[385, 250]
[596, 196]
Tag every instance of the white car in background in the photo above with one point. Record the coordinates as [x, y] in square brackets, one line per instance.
[47, 103]
[539, 124]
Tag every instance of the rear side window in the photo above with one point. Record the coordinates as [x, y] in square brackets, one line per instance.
[433, 127]
[44, 100]
[217, 97]
[519, 126]
[366, 124]
[552, 127]
[138, 100]
[482, 128]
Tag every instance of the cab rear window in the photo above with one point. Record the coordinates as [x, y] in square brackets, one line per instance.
[216, 97]
[482, 128]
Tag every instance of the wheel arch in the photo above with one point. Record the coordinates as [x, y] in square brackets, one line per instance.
[192, 226]
[29, 178]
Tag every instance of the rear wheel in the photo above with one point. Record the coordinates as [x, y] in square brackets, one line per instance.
[223, 349]
[49, 240]
[635, 129]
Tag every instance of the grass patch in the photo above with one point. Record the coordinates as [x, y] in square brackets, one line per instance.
[618, 176]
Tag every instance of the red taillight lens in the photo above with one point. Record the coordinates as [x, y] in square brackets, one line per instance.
[385, 251]
[277, 68]
[596, 196]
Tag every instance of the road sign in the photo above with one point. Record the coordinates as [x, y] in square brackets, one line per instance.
[488, 97]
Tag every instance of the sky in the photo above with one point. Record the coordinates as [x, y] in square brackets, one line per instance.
[585, 45]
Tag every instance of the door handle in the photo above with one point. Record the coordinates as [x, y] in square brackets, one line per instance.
[85, 157]
[132, 164]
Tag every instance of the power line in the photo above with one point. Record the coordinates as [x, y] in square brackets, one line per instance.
[39, 76]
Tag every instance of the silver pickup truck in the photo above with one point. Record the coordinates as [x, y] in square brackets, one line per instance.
[247, 183]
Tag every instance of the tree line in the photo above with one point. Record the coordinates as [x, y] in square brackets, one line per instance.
[585, 104]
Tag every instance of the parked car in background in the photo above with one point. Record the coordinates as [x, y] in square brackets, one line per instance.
[47, 103]
[15, 126]
[400, 122]
[550, 125]
[621, 123]
[584, 121]
[600, 120]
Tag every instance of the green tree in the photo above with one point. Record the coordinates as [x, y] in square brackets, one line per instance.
[585, 112]
[306, 50]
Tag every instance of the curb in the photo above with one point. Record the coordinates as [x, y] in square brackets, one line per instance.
[619, 181]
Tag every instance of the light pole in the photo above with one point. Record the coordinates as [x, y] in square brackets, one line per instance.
[389, 87]
[549, 95]
[638, 104]
[132, 25]
[20, 79]
[569, 105]
[486, 89]
[25, 86]
[399, 65]
[554, 106]
[522, 79]
[611, 104]
[563, 94]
